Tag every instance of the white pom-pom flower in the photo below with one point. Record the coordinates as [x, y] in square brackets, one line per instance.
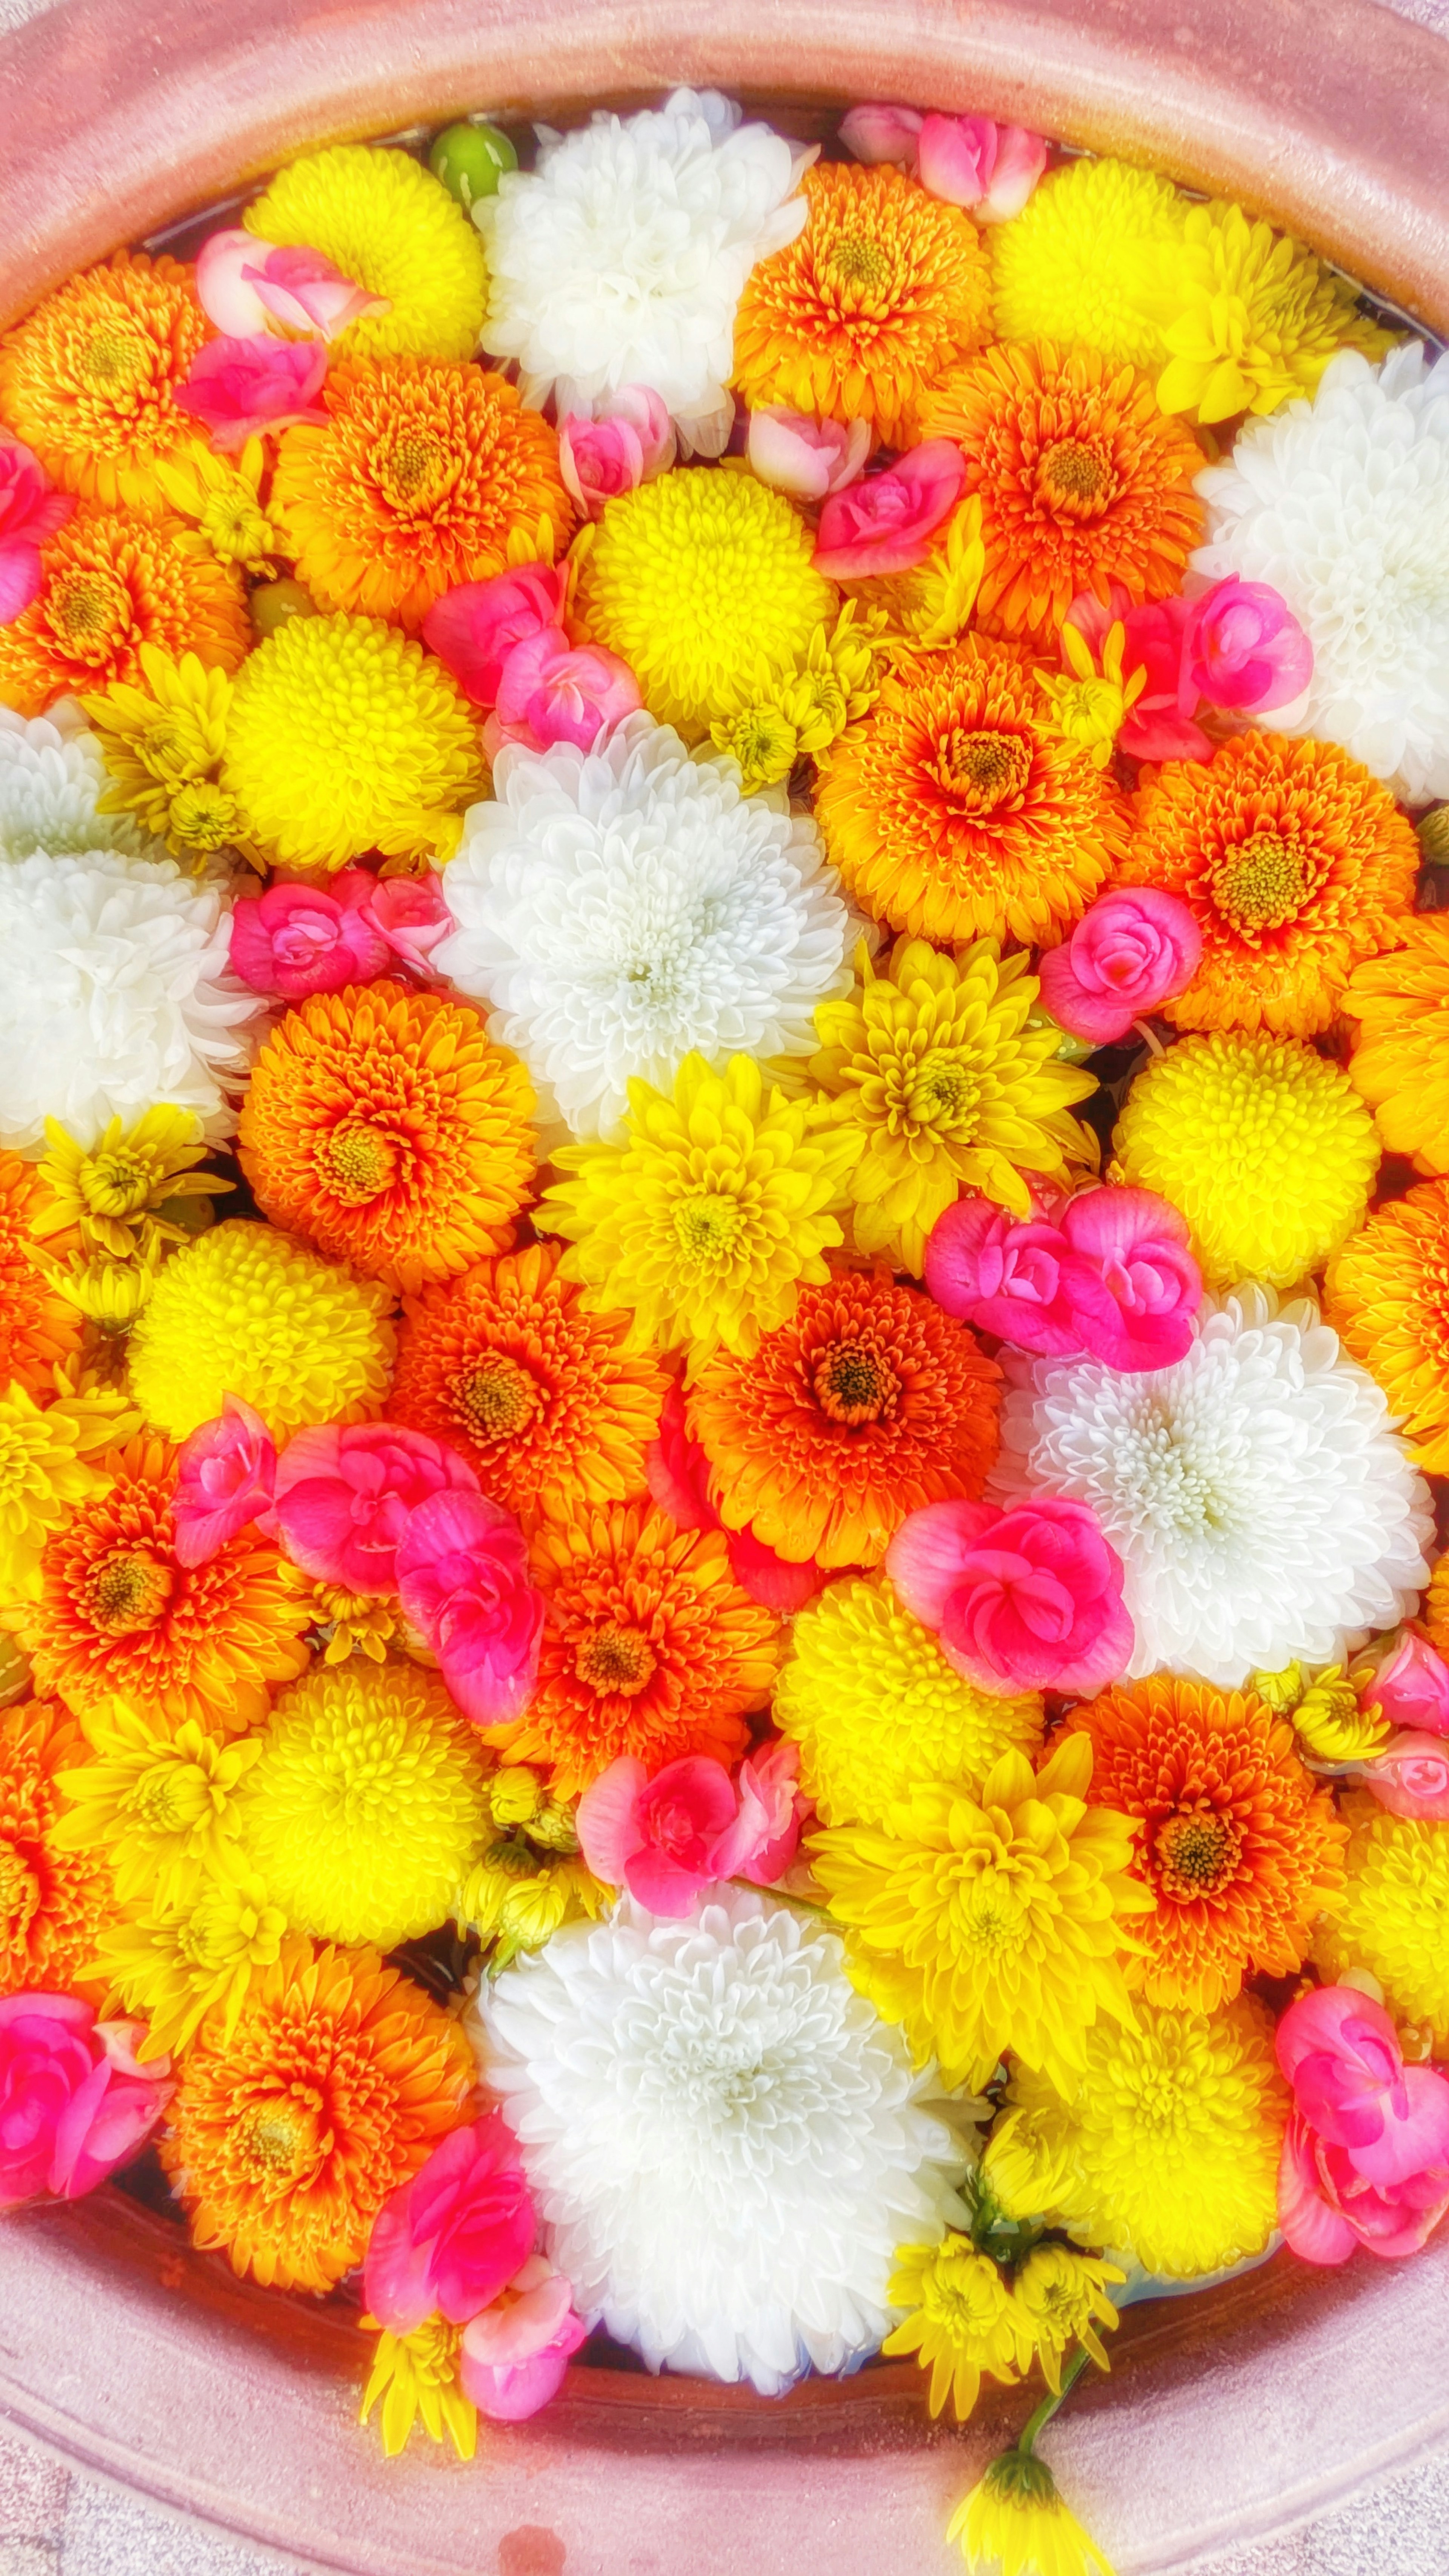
[725, 2142]
[52, 777]
[621, 907]
[114, 995]
[1255, 1492]
[1343, 505]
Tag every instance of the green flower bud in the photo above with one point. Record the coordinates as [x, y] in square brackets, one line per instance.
[470, 160]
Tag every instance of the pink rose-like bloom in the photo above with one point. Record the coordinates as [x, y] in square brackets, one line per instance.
[676, 1471]
[552, 691]
[345, 1492]
[74, 2103]
[804, 457]
[411, 914]
[515, 2354]
[474, 627]
[1365, 2157]
[238, 386]
[886, 522]
[1412, 1688]
[764, 1838]
[300, 939]
[658, 1838]
[875, 132]
[1133, 949]
[1410, 1777]
[1029, 1599]
[972, 161]
[1003, 1276]
[1158, 725]
[30, 512]
[1111, 1275]
[463, 1580]
[629, 439]
[455, 2235]
[224, 1479]
[244, 285]
[1243, 647]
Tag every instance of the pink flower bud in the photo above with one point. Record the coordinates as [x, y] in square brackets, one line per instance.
[302, 291]
[226, 297]
[1020, 160]
[955, 157]
[1029, 1599]
[763, 1840]
[74, 2102]
[515, 2354]
[1135, 948]
[806, 458]
[463, 1580]
[879, 133]
[300, 939]
[629, 440]
[1412, 1688]
[453, 2237]
[236, 387]
[224, 1478]
[474, 627]
[1243, 647]
[885, 523]
[1410, 1777]
[552, 691]
[411, 914]
[30, 512]
[344, 1494]
[677, 1473]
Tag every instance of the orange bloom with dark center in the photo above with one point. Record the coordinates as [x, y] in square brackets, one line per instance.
[649, 1648]
[425, 469]
[53, 1904]
[868, 1403]
[119, 1616]
[385, 1127]
[508, 1368]
[1083, 481]
[285, 2139]
[1240, 1846]
[88, 380]
[38, 1330]
[953, 809]
[1294, 863]
[884, 289]
[1387, 1294]
[113, 583]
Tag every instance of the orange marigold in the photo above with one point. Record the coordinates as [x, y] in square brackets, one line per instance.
[858, 316]
[387, 1128]
[53, 1904]
[1401, 1063]
[953, 808]
[1387, 1294]
[649, 1648]
[1083, 481]
[113, 583]
[285, 2138]
[38, 1329]
[120, 1618]
[88, 380]
[425, 468]
[1241, 1847]
[868, 1403]
[536, 1393]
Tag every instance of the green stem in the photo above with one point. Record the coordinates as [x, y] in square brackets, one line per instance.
[1037, 2421]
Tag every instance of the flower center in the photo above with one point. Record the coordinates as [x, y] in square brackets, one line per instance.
[113, 356]
[172, 1796]
[115, 1184]
[983, 770]
[495, 1398]
[708, 1226]
[1074, 475]
[944, 1093]
[1261, 883]
[19, 1893]
[413, 469]
[128, 1593]
[956, 2293]
[855, 260]
[87, 610]
[203, 814]
[278, 2142]
[615, 1659]
[1196, 1854]
[853, 1384]
[235, 527]
[362, 1160]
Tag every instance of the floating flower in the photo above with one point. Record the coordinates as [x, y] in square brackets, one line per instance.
[30, 512]
[52, 781]
[113, 1196]
[1411, 1687]
[416, 2375]
[245, 285]
[1400, 1065]
[1248, 317]
[1022, 1600]
[1092, 703]
[114, 582]
[394, 231]
[89, 379]
[1387, 1294]
[164, 742]
[48, 1464]
[804, 457]
[246, 1311]
[677, 1473]
[666, 1839]
[1066, 269]
[159, 1800]
[1328, 1719]
[1014, 2518]
[343, 1497]
[1129, 954]
[885, 523]
[1390, 1920]
[1112, 1275]
[53, 1901]
[39, 1330]
[1243, 648]
[1366, 2154]
[225, 503]
[300, 939]
[454, 2237]
[515, 2352]
[625, 439]
[241, 385]
[195, 1959]
[474, 628]
[965, 160]
[74, 2105]
[553, 691]
[963, 2320]
[462, 1575]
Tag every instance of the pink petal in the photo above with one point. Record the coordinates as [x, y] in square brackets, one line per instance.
[608, 1818]
[1021, 157]
[1316, 2232]
[882, 133]
[20, 578]
[926, 1555]
[1416, 2142]
[955, 157]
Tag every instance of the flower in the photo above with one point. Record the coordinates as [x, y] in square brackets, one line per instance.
[1254, 1492]
[953, 808]
[1090, 703]
[52, 778]
[885, 523]
[382, 1125]
[1366, 2154]
[410, 913]
[625, 439]
[1400, 1064]
[389, 226]
[1248, 318]
[868, 1696]
[48, 1464]
[114, 582]
[1391, 1917]
[1387, 1294]
[1081, 480]
[867, 1404]
[1130, 953]
[516, 2351]
[39, 1330]
[518, 1897]
[247, 1312]
[622, 906]
[246, 382]
[620, 258]
[1111, 1276]
[53, 1901]
[247, 286]
[74, 2105]
[552, 691]
[709, 1216]
[453, 2238]
[1329, 1720]
[618, 2052]
[1412, 1687]
[343, 1496]
[194, 1956]
[1066, 269]
[803, 457]
[286, 2139]
[965, 160]
[1242, 647]
[418, 2374]
[462, 1574]
[159, 1800]
[1339, 504]
[697, 581]
[883, 290]
[300, 939]
[677, 1473]
[89, 378]
[963, 2320]
[1023, 1600]
[1062, 2299]
[163, 744]
[667, 1838]
[30, 512]
[475, 626]
[781, 718]
[1260, 1143]
[114, 1198]
[1013, 2522]
[345, 737]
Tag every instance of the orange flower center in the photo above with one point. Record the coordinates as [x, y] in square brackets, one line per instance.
[19, 1893]
[853, 1384]
[855, 260]
[983, 770]
[413, 469]
[615, 1659]
[496, 1397]
[114, 356]
[362, 1161]
[1196, 1853]
[87, 609]
[128, 1592]
[1261, 883]
[1075, 477]
[278, 2142]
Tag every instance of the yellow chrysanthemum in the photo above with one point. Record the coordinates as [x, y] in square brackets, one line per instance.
[164, 744]
[1393, 1916]
[346, 736]
[49, 1461]
[158, 1800]
[1262, 1145]
[109, 1293]
[222, 496]
[516, 1898]
[1400, 1065]
[981, 1925]
[699, 581]
[417, 2374]
[1065, 268]
[932, 1061]
[248, 1311]
[963, 2320]
[710, 1216]
[931, 605]
[780, 717]
[1387, 1294]
[1330, 1720]
[128, 1192]
[1091, 702]
[1248, 317]
[1061, 2299]
[1014, 2523]
[53, 1902]
[176, 1964]
[88, 380]
[343, 1623]
[874, 1706]
[393, 228]
[367, 1804]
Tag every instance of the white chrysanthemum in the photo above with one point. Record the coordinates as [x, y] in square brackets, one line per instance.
[114, 995]
[725, 2142]
[622, 906]
[52, 777]
[1343, 505]
[1256, 1494]
[621, 258]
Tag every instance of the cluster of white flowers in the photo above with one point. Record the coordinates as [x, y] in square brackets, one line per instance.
[52, 777]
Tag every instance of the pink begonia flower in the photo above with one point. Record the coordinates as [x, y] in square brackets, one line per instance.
[875, 132]
[658, 1838]
[629, 439]
[552, 691]
[1029, 1599]
[74, 2103]
[344, 1493]
[300, 939]
[236, 387]
[515, 2354]
[30, 512]
[1366, 2154]
[676, 1471]
[1157, 725]
[448, 2241]
[764, 1838]
[474, 627]
[972, 161]
[1003, 1276]
[463, 1580]
[1134, 948]
[1412, 1687]
[1243, 647]
[1111, 1276]
[411, 914]
[1410, 1777]
[804, 457]
[885, 523]
[224, 1478]
[245, 284]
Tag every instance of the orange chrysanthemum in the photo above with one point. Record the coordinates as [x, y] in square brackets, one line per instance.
[285, 2138]
[537, 1394]
[1387, 1294]
[649, 1648]
[1083, 480]
[38, 1329]
[868, 1403]
[1436, 1605]
[953, 808]
[1400, 1065]
[858, 316]
[1294, 863]
[386, 1127]
[425, 468]
[88, 380]
[53, 1904]
[120, 1618]
[112, 583]
[1241, 1847]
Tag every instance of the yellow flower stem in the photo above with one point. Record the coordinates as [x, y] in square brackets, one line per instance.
[1041, 2416]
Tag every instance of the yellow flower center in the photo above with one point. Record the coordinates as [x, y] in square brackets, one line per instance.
[855, 260]
[362, 1160]
[413, 470]
[1074, 475]
[129, 1592]
[172, 1796]
[615, 1659]
[942, 1092]
[115, 1184]
[984, 770]
[962, 2292]
[86, 609]
[278, 2142]
[203, 815]
[114, 356]
[1261, 883]
[234, 527]
[497, 1397]
[854, 1384]
[1196, 1854]
[708, 1226]
[19, 1893]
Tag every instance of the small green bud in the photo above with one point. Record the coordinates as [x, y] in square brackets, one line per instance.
[273, 603]
[470, 160]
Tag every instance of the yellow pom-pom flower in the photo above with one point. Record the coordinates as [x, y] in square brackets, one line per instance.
[391, 226]
[1248, 317]
[1393, 1913]
[158, 1800]
[1262, 1145]
[49, 1462]
[247, 1311]
[1401, 1063]
[1066, 268]
[177, 1964]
